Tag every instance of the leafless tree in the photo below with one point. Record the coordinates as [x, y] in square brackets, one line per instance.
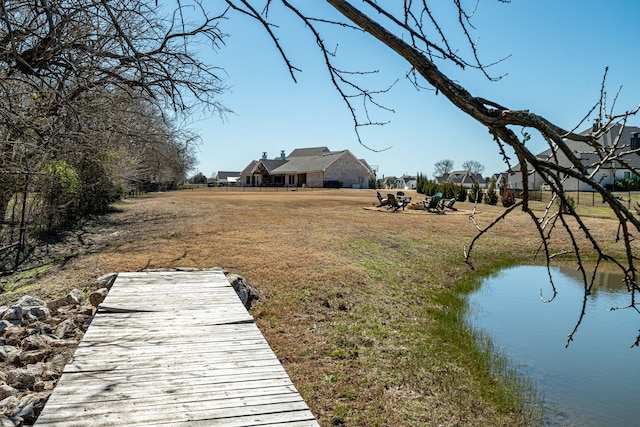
[71, 74]
[473, 166]
[442, 167]
[413, 31]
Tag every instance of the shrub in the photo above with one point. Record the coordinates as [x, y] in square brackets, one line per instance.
[508, 197]
[627, 184]
[475, 194]
[426, 186]
[569, 202]
[373, 182]
[450, 190]
[59, 187]
[491, 196]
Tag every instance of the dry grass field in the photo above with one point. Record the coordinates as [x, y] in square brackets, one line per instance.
[361, 306]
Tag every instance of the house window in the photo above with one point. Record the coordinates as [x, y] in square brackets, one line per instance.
[292, 179]
[635, 141]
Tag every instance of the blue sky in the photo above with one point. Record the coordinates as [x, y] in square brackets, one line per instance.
[557, 53]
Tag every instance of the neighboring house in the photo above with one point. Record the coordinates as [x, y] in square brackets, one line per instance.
[500, 178]
[606, 175]
[410, 182]
[309, 167]
[246, 178]
[226, 178]
[392, 182]
[463, 178]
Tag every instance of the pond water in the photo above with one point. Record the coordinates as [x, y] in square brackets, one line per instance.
[593, 382]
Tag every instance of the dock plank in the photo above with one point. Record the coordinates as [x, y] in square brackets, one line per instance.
[174, 348]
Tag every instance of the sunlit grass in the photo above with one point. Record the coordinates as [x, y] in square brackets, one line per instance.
[365, 309]
[432, 340]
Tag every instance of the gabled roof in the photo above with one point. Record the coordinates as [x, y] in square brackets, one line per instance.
[268, 165]
[461, 177]
[306, 152]
[364, 162]
[302, 160]
[584, 151]
[249, 167]
[300, 164]
[227, 174]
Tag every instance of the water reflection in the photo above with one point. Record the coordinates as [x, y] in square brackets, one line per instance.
[604, 282]
[593, 382]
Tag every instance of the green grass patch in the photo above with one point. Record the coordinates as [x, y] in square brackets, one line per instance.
[21, 283]
[416, 318]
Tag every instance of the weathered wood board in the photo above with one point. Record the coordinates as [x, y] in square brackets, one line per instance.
[174, 348]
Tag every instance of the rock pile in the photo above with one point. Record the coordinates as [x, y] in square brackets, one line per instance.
[37, 339]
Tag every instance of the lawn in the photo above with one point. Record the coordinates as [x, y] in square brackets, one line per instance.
[363, 307]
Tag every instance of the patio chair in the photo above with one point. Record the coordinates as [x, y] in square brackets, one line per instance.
[448, 204]
[395, 203]
[382, 201]
[400, 196]
[433, 205]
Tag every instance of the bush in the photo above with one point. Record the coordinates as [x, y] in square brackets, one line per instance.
[426, 186]
[450, 190]
[508, 197]
[475, 194]
[491, 196]
[373, 182]
[59, 188]
[627, 185]
[569, 202]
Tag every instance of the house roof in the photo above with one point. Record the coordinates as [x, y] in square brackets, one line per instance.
[249, 167]
[460, 177]
[227, 175]
[268, 164]
[300, 161]
[306, 152]
[585, 152]
[364, 162]
[300, 164]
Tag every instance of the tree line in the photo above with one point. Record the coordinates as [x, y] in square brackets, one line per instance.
[93, 94]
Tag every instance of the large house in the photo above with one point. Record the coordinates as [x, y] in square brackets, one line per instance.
[309, 167]
[607, 175]
[464, 178]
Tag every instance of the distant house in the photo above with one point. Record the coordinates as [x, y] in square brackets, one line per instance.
[464, 178]
[410, 182]
[405, 182]
[501, 179]
[309, 167]
[607, 175]
[226, 178]
[392, 182]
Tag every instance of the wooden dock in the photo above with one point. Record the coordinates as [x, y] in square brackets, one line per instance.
[174, 348]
